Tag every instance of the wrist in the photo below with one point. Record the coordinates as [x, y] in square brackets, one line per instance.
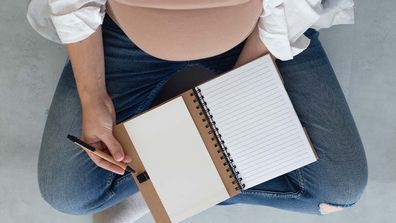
[91, 96]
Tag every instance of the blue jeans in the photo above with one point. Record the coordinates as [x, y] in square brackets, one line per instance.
[71, 183]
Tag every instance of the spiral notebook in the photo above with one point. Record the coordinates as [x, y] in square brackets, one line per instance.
[213, 141]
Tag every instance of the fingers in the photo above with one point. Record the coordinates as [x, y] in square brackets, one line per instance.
[99, 144]
[106, 164]
[114, 147]
[107, 143]
[127, 159]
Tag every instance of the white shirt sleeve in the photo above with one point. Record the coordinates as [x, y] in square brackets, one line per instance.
[283, 23]
[281, 26]
[75, 20]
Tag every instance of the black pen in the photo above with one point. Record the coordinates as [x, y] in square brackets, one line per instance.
[99, 153]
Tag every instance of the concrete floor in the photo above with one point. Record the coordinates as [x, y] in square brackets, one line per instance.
[363, 56]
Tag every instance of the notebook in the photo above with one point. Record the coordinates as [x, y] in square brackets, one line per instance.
[211, 142]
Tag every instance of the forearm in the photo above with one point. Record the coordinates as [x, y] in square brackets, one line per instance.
[252, 49]
[88, 66]
[98, 113]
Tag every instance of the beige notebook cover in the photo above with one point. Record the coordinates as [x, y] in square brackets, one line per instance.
[190, 154]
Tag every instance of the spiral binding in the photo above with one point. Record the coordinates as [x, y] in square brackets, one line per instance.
[223, 149]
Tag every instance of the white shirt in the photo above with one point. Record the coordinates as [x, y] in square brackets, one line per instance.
[281, 26]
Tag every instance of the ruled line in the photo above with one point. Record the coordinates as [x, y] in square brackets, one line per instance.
[257, 121]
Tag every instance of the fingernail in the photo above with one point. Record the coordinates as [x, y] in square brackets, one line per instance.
[127, 159]
[118, 156]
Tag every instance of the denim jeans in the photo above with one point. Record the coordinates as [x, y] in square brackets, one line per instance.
[71, 183]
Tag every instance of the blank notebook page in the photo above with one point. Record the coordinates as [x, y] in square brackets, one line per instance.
[257, 122]
[176, 159]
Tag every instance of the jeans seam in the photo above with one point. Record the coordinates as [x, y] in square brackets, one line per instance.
[211, 69]
[301, 184]
[122, 179]
[322, 212]
[109, 179]
[338, 205]
[109, 194]
[143, 104]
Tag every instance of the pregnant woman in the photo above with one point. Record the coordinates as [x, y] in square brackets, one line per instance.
[122, 52]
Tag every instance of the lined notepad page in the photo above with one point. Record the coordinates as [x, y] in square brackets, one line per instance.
[257, 122]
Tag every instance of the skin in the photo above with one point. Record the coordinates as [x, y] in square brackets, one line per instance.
[98, 114]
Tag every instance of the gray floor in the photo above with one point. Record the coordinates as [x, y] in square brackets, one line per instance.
[363, 56]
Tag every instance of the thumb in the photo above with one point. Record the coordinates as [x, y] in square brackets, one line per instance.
[113, 146]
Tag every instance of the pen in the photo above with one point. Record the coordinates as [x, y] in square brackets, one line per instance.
[99, 153]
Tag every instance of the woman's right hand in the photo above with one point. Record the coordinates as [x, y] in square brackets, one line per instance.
[98, 118]
[98, 114]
